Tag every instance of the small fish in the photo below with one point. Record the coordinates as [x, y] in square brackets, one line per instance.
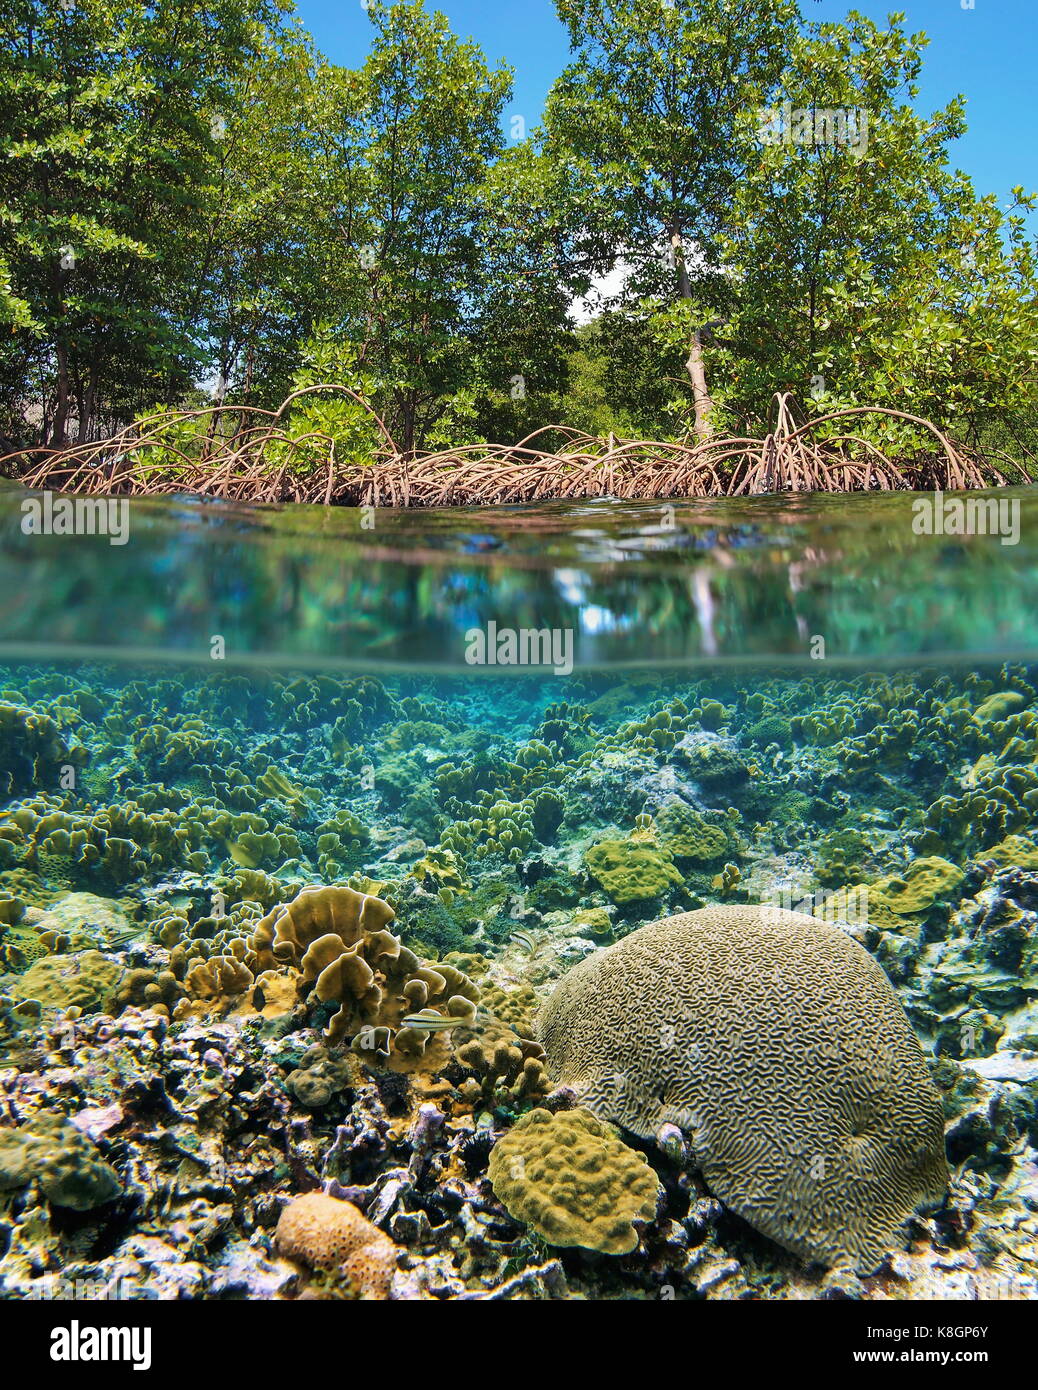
[524, 940]
[259, 999]
[117, 939]
[431, 1022]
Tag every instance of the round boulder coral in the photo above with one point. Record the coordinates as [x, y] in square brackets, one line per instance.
[571, 1178]
[778, 1044]
[333, 1237]
[631, 872]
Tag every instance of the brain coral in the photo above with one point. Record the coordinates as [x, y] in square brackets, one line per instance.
[777, 1042]
[333, 1236]
[571, 1178]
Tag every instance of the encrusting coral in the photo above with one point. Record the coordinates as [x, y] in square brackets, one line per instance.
[571, 1179]
[631, 871]
[685, 834]
[85, 980]
[910, 894]
[777, 1042]
[52, 1152]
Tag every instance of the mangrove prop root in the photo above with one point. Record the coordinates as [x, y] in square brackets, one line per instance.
[244, 453]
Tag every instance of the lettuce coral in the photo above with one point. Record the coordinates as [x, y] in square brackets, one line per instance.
[338, 941]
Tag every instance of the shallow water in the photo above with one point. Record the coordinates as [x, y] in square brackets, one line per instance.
[790, 703]
[636, 583]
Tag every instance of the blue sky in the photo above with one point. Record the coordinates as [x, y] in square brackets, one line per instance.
[988, 54]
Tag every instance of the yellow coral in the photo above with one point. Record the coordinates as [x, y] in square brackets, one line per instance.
[1014, 851]
[571, 1179]
[506, 1068]
[390, 1002]
[894, 898]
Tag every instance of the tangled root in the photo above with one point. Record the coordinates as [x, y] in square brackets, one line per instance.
[226, 451]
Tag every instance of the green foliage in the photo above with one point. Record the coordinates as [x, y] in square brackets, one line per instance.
[851, 271]
[623, 380]
[107, 120]
[869, 271]
[428, 120]
[316, 417]
[196, 207]
[652, 112]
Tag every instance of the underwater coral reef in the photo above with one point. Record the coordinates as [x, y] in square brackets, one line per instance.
[702, 986]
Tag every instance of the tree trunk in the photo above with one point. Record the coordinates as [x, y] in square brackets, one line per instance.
[700, 395]
[694, 364]
[86, 423]
[408, 422]
[60, 421]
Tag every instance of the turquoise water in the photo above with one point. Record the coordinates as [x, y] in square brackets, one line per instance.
[636, 583]
[726, 709]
